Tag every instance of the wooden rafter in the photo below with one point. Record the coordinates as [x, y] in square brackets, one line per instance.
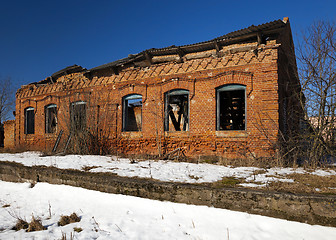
[180, 52]
[217, 46]
[148, 57]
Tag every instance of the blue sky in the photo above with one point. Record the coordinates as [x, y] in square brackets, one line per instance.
[39, 38]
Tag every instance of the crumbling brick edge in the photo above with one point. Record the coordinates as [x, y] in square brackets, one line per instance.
[312, 209]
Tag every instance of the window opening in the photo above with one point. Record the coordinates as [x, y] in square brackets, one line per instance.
[231, 107]
[78, 116]
[29, 120]
[132, 113]
[50, 118]
[177, 110]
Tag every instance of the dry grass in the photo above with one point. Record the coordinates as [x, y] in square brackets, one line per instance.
[20, 224]
[35, 225]
[306, 183]
[227, 182]
[88, 168]
[266, 162]
[251, 162]
[64, 236]
[64, 220]
[77, 229]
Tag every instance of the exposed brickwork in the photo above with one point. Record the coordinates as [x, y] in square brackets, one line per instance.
[253, 65]
[9, 128]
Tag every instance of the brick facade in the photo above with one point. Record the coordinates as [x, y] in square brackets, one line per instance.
[259, 62]
[9, 130]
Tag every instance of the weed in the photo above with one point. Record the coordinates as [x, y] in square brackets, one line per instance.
[20, 224]
[64, 220]
[194, 177]
[211, 159]
[77, 229]
[49, 210]
[118, 227]
[96, 227]
[227, 182]
[35, 225]
[64, 237]
[306, 183]
[88, 168]
[133, 161]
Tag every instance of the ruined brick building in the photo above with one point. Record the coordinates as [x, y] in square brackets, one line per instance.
[230, 96]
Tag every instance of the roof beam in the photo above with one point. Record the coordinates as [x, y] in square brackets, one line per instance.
[180, 52]
[217, 46]
[148, 57]
[259, 38]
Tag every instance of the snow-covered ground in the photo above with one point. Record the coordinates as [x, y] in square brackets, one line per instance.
[111, 216]
[162, 170]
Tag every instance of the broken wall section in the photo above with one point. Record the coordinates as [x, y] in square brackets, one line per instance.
[9, 133]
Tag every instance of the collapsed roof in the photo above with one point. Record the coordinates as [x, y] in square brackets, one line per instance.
[252, 32]
[259, 33]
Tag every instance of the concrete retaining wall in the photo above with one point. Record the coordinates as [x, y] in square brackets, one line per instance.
[312, 209]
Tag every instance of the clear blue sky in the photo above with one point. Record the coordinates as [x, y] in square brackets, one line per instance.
[39, 38]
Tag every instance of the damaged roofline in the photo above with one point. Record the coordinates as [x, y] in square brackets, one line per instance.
[255, 33]
[252, 32]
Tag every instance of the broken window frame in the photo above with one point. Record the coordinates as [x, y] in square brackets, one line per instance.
[229, 90]
[126, 123]
[168, 96]
[78, 116]
[50, 118]
[29, 115]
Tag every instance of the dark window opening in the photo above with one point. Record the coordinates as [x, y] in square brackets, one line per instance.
[177, 110]
[29, 120]
[78, 116]
[50, 118]
[132, 113]
[231, 107]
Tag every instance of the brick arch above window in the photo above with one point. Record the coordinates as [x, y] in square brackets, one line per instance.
[231, 87]
[235, 78]
[178, 84]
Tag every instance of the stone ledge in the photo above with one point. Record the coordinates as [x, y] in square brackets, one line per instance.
[312, 209]
[232, 133]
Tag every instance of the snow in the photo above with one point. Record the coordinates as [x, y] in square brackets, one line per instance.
[162, 170]
[111, 216]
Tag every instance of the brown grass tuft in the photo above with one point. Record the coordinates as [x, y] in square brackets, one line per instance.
[20, 224]
[77, 229]
[307, 183]
[88, 168]
[35, 225]
[74, 218]
[227, 182]
[64, 220]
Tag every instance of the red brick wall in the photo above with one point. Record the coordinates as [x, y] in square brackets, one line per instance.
[9, 129]
[257, 70]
